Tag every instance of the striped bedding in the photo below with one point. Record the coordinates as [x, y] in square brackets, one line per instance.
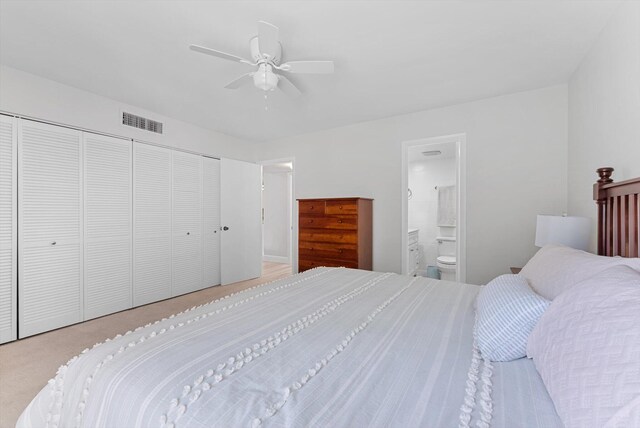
[325, 348]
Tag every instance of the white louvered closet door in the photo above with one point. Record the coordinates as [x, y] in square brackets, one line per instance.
[49, 227]
[151, 223]
[210, 222]
[187, 223]
[8, 229]
[107, 226]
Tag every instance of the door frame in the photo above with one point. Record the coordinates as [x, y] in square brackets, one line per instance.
[293, 230]
[461, 204]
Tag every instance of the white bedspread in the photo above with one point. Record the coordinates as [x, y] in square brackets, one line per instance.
[326, 348]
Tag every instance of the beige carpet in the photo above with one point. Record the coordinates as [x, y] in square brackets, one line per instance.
[26, 365]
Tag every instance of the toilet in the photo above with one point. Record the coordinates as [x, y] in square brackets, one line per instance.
[446, 260]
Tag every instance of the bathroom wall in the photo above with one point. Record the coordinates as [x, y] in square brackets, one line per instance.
[424, 176]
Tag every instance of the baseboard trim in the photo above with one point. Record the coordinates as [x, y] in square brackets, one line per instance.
[275, 259]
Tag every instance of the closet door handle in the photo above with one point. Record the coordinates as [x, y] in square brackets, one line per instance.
[225, 228]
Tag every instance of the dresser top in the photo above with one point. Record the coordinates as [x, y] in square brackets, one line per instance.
[334, 199]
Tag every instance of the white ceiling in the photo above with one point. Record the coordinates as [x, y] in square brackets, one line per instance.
[392, 57]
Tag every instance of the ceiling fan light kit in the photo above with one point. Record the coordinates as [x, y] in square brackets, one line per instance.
[265, 78]
[266, 52]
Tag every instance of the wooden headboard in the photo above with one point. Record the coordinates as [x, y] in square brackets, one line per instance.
[618, 215]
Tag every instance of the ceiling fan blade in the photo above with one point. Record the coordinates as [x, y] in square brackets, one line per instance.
[311, 67]
[219, 54]
[268, 39]
[240, 81]
[287, 87]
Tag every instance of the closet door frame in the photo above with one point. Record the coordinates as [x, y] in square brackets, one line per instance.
[21, 243]
[12, 334]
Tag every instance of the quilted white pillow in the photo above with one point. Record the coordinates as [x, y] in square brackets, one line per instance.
[507, 311]
[586, 347]
[556, 268]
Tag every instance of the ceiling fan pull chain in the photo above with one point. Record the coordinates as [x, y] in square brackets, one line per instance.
[266, 104]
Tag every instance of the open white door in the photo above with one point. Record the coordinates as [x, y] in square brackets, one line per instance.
[240, 212]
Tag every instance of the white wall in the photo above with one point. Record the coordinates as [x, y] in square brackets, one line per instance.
[276, 201]
[424, 176]
[516, 169]
[26, 94]
[604, 110]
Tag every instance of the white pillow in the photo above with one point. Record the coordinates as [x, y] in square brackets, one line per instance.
[586, 347]
[507, 311]
[556, 268]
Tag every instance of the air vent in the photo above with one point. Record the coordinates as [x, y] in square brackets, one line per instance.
[141, 123]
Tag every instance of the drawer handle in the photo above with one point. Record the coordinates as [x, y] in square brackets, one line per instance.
[188, 233]
[339, 221]
[310, 221]
[340, 207]
[53, 243]
[311, 207]
[340, 251]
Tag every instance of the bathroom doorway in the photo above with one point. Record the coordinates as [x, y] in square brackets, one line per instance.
[434, 215]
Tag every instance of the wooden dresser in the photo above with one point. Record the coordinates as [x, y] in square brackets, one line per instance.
[335, 232]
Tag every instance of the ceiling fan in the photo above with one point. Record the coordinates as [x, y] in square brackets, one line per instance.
[266, 52]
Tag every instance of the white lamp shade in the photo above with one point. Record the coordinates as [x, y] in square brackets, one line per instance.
[573, 232]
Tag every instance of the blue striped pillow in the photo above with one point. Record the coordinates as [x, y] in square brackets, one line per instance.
[507, 311]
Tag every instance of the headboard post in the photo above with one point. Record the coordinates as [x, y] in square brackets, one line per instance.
[618, 215]
[600, 196]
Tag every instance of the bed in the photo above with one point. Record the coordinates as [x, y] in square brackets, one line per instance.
[328, 347]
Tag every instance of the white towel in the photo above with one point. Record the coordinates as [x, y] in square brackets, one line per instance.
[446, 205]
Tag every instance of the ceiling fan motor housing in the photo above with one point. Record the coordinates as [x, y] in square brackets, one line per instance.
[258, 56]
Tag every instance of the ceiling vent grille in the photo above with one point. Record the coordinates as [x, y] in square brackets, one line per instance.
[141, 123]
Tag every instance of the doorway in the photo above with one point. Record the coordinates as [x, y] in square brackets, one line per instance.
[434, 214]
[277, 211]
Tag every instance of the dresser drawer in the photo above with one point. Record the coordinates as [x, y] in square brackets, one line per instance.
[320, 250]
[311, 207]
[319, 235]
[306, 264]
[342, 222]
[341, 207]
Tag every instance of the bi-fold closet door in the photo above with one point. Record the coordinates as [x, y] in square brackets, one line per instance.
[74, 226]
[176, 217]
[152, 225]
[107, 225]
[8, 229]
[50, 229]
[210, 222]
[187, 223]
[91, 225]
